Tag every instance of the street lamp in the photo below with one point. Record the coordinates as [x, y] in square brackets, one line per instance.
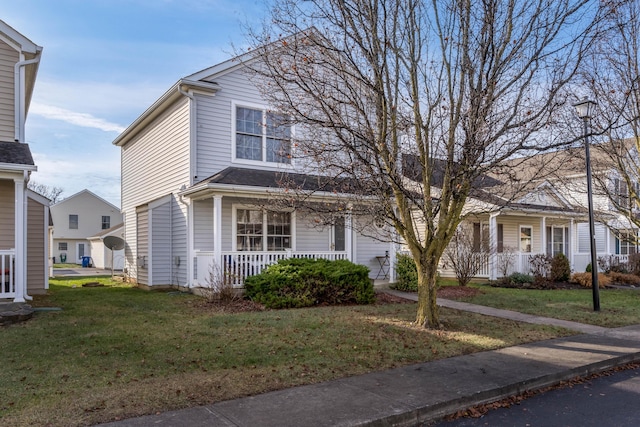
[585, 108]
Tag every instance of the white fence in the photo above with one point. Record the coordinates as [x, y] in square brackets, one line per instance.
[238, 265]
[7, 275]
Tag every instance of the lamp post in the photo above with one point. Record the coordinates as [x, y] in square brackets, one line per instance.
[584, 108]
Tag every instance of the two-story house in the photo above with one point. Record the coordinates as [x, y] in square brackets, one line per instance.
[24, 214]
[76, 219]
[200, 168]
[548, 214]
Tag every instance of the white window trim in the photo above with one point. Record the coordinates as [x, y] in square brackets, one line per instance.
[234, 226]
[234, 159]
[520, 238]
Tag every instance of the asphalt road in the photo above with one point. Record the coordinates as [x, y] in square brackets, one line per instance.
[605, 401]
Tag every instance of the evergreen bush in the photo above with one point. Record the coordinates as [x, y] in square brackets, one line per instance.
[303, 282]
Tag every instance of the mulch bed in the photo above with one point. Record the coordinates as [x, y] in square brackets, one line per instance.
[455, 292]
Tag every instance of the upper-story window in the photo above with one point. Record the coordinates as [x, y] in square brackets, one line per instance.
[73, 222]
[262, 136]
[106, 222]
[622, 196]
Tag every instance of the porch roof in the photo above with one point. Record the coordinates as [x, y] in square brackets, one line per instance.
[235, 178]
[16, 153]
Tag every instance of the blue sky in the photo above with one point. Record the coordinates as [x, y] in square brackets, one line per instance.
[104, 62]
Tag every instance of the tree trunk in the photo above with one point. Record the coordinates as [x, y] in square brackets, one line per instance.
[427, 315]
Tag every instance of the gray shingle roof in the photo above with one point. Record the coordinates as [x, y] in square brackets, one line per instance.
[15, 153]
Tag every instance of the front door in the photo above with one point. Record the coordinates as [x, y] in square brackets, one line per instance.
[80, 248]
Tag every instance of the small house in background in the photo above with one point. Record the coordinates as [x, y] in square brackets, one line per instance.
[23, 213]
[101, 255]
[76, 219]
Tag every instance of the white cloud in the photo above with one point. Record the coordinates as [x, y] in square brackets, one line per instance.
[78, 119]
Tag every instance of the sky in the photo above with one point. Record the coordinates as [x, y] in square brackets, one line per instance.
[104, 62]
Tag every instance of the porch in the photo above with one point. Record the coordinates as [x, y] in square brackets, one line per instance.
[234, 266]
[521, 263]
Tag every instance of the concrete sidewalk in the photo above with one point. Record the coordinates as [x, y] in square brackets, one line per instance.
[416, 394]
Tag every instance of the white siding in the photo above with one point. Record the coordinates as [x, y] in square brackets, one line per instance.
[179, 242]
[161, 261]
[367, 249]
[142, 245]
[203, 225]
[309, 237]
[156, 163]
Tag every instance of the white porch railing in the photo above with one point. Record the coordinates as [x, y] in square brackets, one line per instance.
[7, 274]
[236, 266]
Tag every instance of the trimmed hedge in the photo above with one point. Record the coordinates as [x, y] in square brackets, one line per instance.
[303, 282]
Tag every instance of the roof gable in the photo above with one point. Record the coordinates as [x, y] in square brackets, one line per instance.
[85, 192]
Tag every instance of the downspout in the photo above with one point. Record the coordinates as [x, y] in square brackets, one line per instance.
[25, 200]
[192, 173]
[19, 94]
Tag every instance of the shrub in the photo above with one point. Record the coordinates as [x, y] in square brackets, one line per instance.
[301, 282]
[624, 278]
[540, 266]
[521, 278]
[634, 264]
[588, 269]
[560, 268]
[406, 274]
[584, 279]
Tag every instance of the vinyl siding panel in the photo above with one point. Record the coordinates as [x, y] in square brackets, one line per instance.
[7, 214]
[156, 163]
[142, 245]
[310, 238]
[203, 225]
[36, 244]
[179, 241]
[215, 124]
[8, 58]
[366, 251]
[161, 262]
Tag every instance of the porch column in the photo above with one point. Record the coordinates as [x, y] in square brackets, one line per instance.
[543, 235]
[217, 231]
[493, 246]
[348, 234]
[570, 244]
[20, 241]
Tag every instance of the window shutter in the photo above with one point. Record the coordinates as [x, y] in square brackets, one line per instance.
[500, 238]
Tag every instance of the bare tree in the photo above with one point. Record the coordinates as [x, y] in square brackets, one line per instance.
[612, 77]
[50, 192]
[456, 86]
[466, 259]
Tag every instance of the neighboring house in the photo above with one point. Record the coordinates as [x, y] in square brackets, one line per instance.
[75, 220]
[549, 214]
[24, 214]
[101, 255]
[199, 169]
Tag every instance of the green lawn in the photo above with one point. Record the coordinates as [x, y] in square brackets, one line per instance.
[116, 351]
[618, 307]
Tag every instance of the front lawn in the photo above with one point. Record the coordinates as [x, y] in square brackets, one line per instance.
[618, 307]
[116, 351]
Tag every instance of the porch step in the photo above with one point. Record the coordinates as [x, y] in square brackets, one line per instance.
[14, 312]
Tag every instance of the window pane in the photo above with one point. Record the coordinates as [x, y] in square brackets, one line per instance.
[278, 231]
[248, 147]
[278, 139]
[73, 222]
[249, 230]
[106, 222]
[248, 121]
[525, 239]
